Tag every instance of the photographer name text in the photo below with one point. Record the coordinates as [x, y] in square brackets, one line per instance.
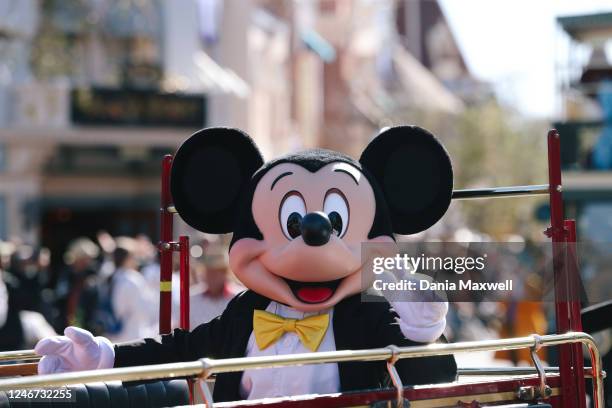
[448, 286]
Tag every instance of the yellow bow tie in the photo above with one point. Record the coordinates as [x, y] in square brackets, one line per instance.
[269, 328]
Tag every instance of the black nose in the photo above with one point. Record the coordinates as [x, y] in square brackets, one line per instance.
[316, 228]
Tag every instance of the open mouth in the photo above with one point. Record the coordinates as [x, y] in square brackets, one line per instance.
[313, 292]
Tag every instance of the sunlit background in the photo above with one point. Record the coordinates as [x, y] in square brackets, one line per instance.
[93, 93]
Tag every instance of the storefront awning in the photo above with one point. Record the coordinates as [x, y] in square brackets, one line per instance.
[216, 79]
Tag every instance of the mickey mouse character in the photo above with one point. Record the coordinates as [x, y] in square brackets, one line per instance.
[298, 223]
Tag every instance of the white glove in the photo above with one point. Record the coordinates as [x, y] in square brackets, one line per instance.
[77, 350]
[422, 313]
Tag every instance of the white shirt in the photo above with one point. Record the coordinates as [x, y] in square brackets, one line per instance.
[135, 305]
[286, 381]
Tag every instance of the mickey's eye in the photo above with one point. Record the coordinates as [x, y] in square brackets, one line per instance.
[292, 210]
[336, 208]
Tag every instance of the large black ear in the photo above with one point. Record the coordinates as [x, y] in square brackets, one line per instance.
[415, 173]
[209, 172]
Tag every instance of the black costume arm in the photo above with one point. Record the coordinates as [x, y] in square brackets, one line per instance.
[181, 345]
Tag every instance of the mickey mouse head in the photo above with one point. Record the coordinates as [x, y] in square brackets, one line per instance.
[299, 220]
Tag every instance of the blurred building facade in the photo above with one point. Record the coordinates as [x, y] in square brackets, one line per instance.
[584, 80]
[86, 118]
[94, 93]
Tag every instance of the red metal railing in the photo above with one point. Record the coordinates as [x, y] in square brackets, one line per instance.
[562, 232]
[567, 296]
[167, 247]
[166, 251]
[184, 274]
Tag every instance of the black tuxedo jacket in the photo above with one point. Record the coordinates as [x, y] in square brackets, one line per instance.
[356, 325]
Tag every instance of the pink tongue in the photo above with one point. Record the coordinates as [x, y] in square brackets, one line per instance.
[314, 295]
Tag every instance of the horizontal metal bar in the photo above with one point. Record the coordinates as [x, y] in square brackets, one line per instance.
[464, 371]
[430, 350]
[476, 193]
[485, 371]
[239, 364]
[206, 367]
[139, 373]
[19, 355]
[493, 192]
[504, 371]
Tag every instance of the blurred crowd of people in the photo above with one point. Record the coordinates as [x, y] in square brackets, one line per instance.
[110, 286]
[107, 285]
